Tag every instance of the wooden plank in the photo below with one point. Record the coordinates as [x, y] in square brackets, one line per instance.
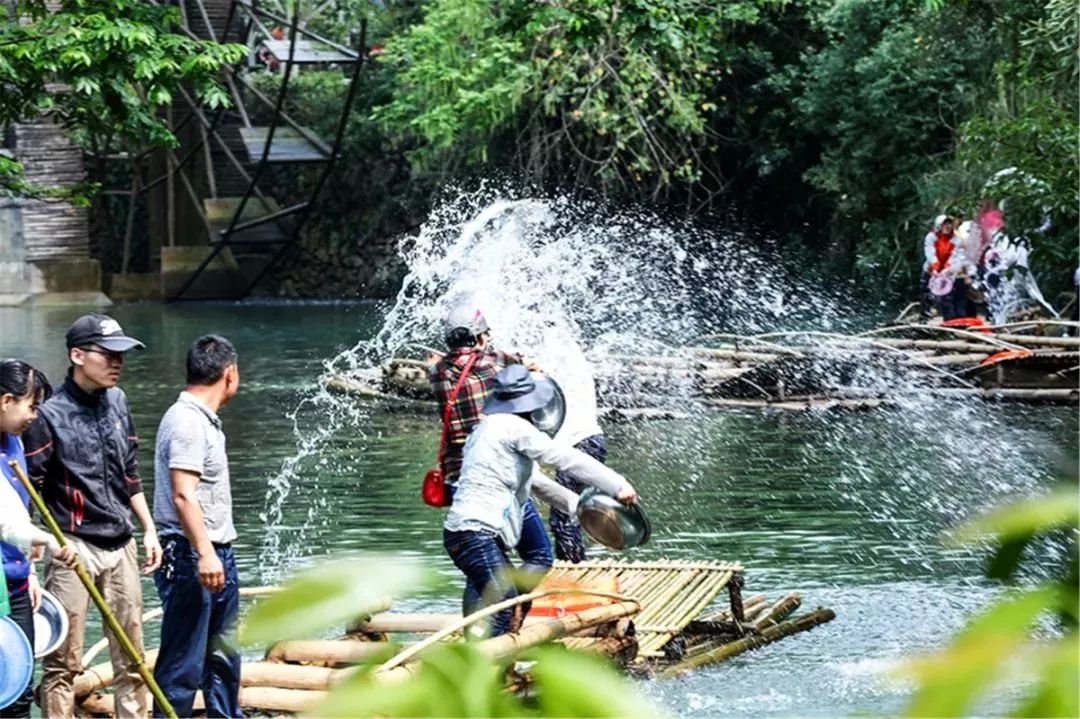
[288, 145]
[307, 52]
[220, 211]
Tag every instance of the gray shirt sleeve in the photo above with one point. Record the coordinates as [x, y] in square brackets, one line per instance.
[187, 445]
[535, 444]
[554, 494]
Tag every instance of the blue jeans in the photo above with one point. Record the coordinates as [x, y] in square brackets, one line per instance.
[533, 547]
[569, 543]
[485, 564]
[193, 654]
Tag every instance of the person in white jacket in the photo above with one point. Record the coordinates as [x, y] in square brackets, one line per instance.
[22, 388]
[497, 475]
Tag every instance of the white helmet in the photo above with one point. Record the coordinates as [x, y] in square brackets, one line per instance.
[466, 316]
[940, 221]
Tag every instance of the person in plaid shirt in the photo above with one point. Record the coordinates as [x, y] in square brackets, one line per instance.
[467, 333]
[464, 341]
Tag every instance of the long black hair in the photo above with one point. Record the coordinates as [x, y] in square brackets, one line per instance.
[20, 379]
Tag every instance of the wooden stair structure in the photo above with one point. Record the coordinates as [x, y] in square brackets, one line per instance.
[222, 176]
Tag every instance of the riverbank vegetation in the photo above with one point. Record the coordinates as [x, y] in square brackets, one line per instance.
[836, 128]
[841, 127]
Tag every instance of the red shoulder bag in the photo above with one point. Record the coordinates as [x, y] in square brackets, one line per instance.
[433, 491]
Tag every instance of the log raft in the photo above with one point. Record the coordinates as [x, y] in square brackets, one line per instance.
[659, 617]
[800, 371]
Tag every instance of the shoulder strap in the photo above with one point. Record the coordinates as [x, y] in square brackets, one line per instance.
[448, 408]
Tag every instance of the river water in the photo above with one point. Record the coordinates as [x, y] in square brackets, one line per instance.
[848, 509]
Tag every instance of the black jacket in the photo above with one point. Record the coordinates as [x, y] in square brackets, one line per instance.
[81, 453]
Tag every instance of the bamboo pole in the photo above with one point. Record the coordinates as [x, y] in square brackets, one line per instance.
[778, 611]
[941, 345]
[735, 355]
[800, 405]
[768, 636]
[1036, 324]
[389, 623]
[508, 644]
[737, 339]
[483, 613]
[100, 676]
[293, 701]
[1041, 340]
[977, 336]
[156, 613]
[106, 613]
[286, 676]
[325, 651]
[965, 358]
[725, 614]
[620, 649]
[501, 647]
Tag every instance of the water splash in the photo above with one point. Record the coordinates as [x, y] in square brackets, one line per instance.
[583, 288]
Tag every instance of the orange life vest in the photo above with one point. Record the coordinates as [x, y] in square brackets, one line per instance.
[943, 248]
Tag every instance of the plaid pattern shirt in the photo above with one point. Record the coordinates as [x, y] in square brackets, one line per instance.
[465, 413]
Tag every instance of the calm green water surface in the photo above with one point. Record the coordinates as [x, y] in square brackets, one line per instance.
[848, 509]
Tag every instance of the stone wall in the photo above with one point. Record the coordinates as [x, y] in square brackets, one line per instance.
[369, 268]
[51, 230]
[44, 245]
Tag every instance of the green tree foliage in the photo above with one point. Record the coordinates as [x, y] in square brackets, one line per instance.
[850, 122]
[1028, 120]
[614, 96]
[104, 69]
[881, 97]
[999, 638]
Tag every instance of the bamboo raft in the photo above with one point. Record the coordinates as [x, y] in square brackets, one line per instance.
[662, 619]
[1022, 362]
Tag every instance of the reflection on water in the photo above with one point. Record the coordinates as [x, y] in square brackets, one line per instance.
[846, 508]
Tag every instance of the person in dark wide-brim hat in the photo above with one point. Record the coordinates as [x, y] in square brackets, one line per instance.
[498, 472]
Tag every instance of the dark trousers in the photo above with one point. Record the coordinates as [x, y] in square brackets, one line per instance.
[569, 542]
[196, 622]
[488, 579]
[926, 300]
[534, 549]
[23, 615]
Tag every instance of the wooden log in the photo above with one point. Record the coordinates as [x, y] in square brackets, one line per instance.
[1040, 340]
[556, 627]
[622, 649]
[354, 388]
[768, 636]
[390, 623]
[330, 652]
[798, 405]
[285, 676]
[1065, 396]
[778, 611]
[295, 701]
[965, 358]
[937, 345]
[735, 355]
[101, 676]
[638, 414]
[501, 647]
[725, 614]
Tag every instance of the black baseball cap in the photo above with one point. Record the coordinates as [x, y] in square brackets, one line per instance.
[103, 331]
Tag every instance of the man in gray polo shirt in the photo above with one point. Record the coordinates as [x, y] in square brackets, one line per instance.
[197, 581]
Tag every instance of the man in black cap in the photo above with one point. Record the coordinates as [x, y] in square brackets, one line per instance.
[81, 452]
